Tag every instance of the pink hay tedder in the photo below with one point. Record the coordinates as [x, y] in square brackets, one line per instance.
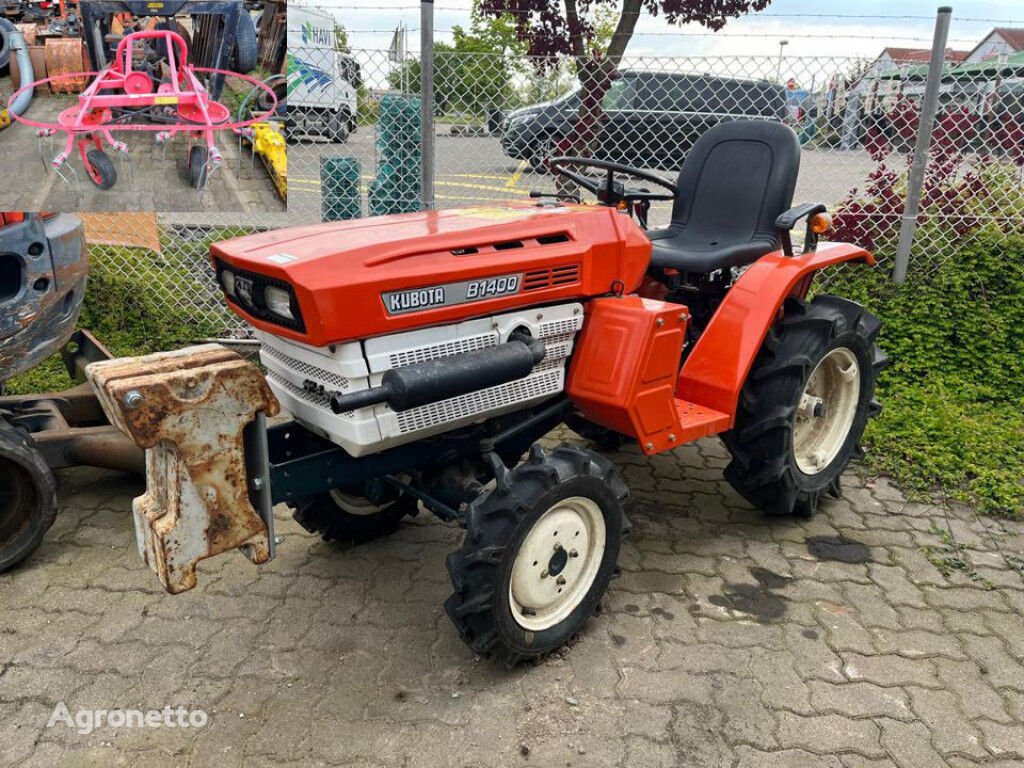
[149, 87]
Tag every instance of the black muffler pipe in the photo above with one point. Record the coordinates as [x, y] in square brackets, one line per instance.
[427, 382]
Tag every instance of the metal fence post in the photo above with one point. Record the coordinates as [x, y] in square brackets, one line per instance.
[427, 102]
[926, 124]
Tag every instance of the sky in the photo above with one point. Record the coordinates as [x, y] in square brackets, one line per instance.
[811, 27]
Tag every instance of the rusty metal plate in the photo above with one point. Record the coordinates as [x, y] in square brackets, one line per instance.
[65, 56]
[189, 409]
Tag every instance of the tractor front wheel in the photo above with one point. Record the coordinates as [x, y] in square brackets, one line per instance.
[805, 404]
[344, 516]
[539, 551]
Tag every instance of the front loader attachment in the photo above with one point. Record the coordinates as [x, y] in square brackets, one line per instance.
[195, 411]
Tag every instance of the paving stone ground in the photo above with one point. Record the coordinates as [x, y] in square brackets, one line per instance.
[725, 642]
[157, 180]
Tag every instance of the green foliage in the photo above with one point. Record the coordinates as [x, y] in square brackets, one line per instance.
[341, 39]
[133, 303]
[953, 400]
[472, 76]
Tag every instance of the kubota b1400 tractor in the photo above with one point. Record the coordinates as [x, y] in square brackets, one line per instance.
[421, 356]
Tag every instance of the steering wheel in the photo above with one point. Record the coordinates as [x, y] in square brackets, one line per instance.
[608, 190]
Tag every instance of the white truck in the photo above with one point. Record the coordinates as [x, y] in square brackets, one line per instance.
[322, 81]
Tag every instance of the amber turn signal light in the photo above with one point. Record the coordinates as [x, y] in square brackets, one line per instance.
[820, 223]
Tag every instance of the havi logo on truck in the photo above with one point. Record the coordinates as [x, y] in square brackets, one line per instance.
[317, 35]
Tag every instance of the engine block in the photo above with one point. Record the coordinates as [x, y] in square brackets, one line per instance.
[301, 376]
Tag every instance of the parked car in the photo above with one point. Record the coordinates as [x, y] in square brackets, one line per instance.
[651, 118]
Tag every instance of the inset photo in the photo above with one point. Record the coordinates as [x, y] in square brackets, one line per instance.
[113, 105]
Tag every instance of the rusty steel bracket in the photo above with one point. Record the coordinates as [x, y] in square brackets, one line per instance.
[195, 411]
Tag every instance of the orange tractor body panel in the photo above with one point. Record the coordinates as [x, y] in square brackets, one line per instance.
[624, 375]
[716, 368]
[342, 272]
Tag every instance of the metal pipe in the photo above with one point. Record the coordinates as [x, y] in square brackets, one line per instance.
[20, 50]
[427, 102]
[926, 125]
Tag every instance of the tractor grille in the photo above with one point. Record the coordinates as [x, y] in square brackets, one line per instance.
[306, 370]
[434, 351]
[357, 365]
[546, 382]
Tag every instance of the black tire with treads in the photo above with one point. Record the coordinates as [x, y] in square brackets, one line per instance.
[763, 467]
[497, 523]
[245, 54]
[103, 173]
[319, 514]
[28, 496]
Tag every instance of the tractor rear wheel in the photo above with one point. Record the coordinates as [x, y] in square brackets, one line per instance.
[539, 551]
[804, 406]
[28, 496]
[344, 516]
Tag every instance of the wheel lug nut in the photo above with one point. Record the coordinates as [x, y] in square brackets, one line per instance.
[560, 580]
[557, 546]
[573, 553]
[544, 574]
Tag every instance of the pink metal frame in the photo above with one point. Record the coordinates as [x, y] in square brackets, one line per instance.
[183, 90]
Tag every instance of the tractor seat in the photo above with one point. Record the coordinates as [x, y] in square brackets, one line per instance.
[736, 181]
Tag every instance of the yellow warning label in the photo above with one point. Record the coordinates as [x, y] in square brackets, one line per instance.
[165, 99]
[154, 6]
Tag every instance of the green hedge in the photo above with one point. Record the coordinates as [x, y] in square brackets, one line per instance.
[953, 400]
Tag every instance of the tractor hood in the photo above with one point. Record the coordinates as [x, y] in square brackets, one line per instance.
[349, 280]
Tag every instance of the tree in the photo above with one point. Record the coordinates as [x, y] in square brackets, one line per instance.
[341, 39]
[472, 75]
[579, 29]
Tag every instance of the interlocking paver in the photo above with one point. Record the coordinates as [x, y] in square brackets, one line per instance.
[725, 642]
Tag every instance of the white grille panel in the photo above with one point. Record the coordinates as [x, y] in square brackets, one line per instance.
[483, 401]
[305, 370]
[312, 398]
[357, 365]
[455, 347]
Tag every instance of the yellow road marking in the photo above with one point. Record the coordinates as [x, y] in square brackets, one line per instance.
[514, 178]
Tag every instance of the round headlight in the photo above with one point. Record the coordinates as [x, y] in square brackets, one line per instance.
[278, 301]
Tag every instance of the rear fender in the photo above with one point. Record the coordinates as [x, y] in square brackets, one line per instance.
[716, 369]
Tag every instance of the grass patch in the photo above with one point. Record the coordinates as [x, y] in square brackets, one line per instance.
[953, 400]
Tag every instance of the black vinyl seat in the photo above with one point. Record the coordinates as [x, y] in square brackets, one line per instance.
[736, 181]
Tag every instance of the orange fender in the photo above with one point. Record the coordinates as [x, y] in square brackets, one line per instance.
[716, 369]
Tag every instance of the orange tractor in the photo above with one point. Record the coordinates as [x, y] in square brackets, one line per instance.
[422, 356]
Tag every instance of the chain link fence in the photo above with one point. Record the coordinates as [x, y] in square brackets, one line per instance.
[354, 144]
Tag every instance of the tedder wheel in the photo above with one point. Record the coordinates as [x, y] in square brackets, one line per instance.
[198, 156]
[804, 406]
[346, 517]
[100, 169]
[28, 496]
[539, 551]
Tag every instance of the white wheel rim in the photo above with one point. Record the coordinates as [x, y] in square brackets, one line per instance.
[826, 411]
[356, 505]
[557, 563]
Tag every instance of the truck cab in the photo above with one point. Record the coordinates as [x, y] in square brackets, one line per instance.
[322, 80]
